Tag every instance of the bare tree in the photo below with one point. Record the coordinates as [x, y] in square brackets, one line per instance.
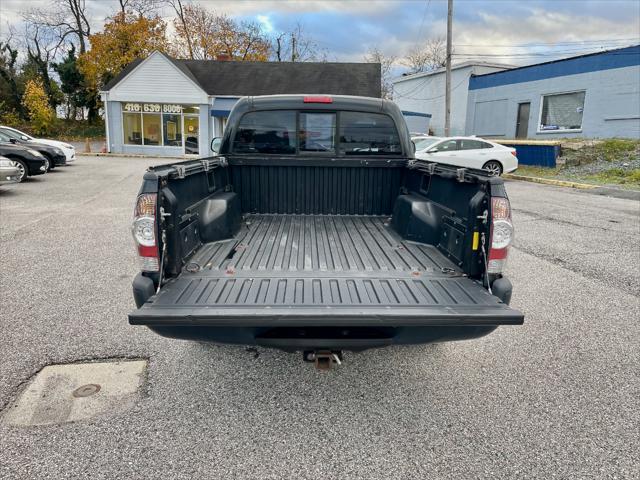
[386, 64]
[42, 45]
[296, 46]
[141, 8]
[184, 26]
[67, 18]
[251, 43]
[202, 34]
[428, 57]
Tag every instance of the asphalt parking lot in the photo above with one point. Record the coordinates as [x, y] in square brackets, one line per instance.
[555, 398]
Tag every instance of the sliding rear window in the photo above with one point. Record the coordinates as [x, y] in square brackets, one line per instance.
[283, 132]
[368, 134]
[271, 131]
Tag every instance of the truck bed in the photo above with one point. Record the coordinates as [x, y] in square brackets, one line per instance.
[328, 270]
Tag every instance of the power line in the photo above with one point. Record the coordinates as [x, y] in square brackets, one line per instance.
[424, 16]
[547, 52]
[547, 44]
[551, 53]
[534, 55]
[465, 79]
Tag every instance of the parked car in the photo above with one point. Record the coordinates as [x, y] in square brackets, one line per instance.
[29, 161]
[68, 149]
[470, 152]
[55, 155]
[9, 172]
[315, 229]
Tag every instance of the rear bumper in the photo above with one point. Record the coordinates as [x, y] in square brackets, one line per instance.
[314, 338]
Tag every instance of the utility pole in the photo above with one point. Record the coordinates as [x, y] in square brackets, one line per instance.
[293, 47]
[447, 91]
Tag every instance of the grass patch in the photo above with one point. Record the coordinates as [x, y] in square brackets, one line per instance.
[72, 130]
[68, 130]
[532, 171]
[617, 176]
[613, 176]
[616, 148]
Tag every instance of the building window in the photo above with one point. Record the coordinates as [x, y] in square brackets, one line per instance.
[159, 124]
[191, 134]
[132, 128]
[151, 128]
[561, 112]
[172, 128]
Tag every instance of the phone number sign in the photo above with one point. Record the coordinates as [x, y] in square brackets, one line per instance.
[152, 108]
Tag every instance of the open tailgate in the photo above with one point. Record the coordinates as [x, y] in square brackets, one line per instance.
[252, 299]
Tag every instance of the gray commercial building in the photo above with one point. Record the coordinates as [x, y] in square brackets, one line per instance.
[592, 96]
[167, 107]
[424, 93]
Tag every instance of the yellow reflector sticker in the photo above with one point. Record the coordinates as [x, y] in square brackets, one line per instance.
[476, 240]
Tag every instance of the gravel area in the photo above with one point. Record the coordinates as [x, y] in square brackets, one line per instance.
[554, 398]
[600, 166]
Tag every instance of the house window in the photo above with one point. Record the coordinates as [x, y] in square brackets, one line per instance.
[191, 134]
[172, 128]
[157, 124]
[561, 112]
[151, 129]
[132, 128]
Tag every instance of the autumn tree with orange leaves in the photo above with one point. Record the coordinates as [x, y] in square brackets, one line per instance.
[126, 37]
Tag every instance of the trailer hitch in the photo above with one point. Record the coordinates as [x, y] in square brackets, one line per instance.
[323, 359]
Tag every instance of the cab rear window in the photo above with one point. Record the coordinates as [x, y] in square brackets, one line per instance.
[266, 132]
[368, 134]
[286, 132]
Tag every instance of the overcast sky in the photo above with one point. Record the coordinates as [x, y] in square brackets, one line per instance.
[518, 32]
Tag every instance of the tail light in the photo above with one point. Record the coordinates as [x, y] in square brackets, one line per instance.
[144, 231]
[501, 234]
[514, 153]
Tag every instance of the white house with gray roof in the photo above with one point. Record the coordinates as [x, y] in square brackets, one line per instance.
[168, 107]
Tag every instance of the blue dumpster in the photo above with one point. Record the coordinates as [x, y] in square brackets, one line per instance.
[538, 153]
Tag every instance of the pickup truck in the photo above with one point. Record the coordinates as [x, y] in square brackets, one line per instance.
[316, 229]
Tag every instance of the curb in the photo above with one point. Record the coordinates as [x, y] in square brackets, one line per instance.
[550, 181]
[128, 155]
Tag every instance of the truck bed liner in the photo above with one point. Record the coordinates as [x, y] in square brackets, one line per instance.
[281, 269]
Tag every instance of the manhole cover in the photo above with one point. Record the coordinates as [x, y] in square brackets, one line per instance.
[86, 390]
[67, 393]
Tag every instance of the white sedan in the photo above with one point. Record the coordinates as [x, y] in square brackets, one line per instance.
[470, 152]
[69, 150]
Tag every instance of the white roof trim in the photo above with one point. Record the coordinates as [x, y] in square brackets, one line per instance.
[470, 63]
